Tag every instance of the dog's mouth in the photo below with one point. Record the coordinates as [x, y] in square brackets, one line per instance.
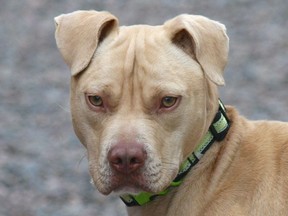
[144, 180]
[133, 184]
[129, 184]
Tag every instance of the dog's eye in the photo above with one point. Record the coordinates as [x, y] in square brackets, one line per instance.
[95, 100]
[168, 101]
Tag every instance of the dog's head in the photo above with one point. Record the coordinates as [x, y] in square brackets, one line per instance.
[141, 96]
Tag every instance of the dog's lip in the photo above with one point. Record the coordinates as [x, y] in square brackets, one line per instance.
[131, 189]
[127, 184]
[125, 188]
[133, 183]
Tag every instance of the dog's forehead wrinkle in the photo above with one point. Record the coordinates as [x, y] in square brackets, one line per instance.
[126, 79]
[129, 57]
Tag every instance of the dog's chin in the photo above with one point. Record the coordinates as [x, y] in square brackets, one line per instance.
[127, 190]
[118, 189]
[121, 188]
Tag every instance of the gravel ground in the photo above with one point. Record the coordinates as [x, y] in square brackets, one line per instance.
[43, 167]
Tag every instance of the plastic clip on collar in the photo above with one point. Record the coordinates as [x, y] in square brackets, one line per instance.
[217, 132]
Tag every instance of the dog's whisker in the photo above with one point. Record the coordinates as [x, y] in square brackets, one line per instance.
[81, 159]
[63, 108]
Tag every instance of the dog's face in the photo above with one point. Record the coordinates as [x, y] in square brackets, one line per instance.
[141, 96]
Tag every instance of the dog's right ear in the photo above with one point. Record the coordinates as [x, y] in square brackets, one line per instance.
[79, 33]
[204, 40]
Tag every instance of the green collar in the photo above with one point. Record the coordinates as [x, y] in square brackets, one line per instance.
[217, 132]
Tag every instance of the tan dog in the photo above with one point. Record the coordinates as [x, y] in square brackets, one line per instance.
[142, 99]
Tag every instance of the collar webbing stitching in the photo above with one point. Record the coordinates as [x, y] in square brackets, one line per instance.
[217, 132]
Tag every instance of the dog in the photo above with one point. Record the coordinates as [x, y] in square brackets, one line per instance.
[145, 104]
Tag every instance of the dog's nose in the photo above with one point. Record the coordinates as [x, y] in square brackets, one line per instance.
[127, 158]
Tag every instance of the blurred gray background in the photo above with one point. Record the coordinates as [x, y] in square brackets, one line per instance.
[43, 167]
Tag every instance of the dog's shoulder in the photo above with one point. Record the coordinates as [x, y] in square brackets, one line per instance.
[269, 131]
[260, 142]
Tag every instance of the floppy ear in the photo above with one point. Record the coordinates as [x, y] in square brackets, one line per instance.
[79, 33]
[204, 40]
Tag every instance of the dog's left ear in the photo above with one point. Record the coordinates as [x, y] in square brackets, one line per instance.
[204, 40]
[78, 35]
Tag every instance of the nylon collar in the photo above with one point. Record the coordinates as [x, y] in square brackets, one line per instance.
[217, 132]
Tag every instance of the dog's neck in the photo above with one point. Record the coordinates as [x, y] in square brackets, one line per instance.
[217, 132]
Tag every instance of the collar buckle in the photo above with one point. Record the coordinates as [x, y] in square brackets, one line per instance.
[221, 124]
